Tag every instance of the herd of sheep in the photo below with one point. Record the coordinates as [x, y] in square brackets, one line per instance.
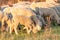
[32, 15]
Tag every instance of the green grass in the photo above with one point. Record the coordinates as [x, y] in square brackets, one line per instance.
[51, 34]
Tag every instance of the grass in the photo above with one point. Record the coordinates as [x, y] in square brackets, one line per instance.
[51, 34]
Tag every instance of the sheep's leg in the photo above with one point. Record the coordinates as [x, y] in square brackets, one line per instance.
[29, 29]
[2, 28]
[15, 24]
[48, 21]
[10, 30]
[15, 29]
[7, 29]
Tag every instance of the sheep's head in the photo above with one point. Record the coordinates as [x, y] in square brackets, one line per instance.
[36, 29]
[58, 22]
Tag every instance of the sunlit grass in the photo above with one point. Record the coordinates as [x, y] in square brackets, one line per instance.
[51, 34]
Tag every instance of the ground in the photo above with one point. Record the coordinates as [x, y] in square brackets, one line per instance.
[52, 34]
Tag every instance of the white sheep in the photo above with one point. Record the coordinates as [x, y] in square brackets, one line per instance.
[20, 11]
[49, 12]
[42, 5]
[27, 22]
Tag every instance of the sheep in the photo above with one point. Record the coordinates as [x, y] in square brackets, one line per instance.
[13, 25]
[21, 4]
[43, 22]
[57, 9]
[33, 6]
[4, 24]
[10, 26]
[25, 12]
[1, 16]
[42, 5]
[37, 23]
[53, 1]
[39, 4]
[29, 25]
[19, 11]
[22, 21]
[3, 19]
[49, 12]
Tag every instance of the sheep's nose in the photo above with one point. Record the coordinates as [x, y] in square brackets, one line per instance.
[38, 27]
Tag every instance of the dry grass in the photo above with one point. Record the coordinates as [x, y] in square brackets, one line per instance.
[49, 34]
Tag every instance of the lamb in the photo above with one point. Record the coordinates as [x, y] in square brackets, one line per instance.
[25, 12]
[29, 25]
[19, 11]
[26, 21]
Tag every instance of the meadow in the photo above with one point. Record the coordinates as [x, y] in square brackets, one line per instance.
[53, 33]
